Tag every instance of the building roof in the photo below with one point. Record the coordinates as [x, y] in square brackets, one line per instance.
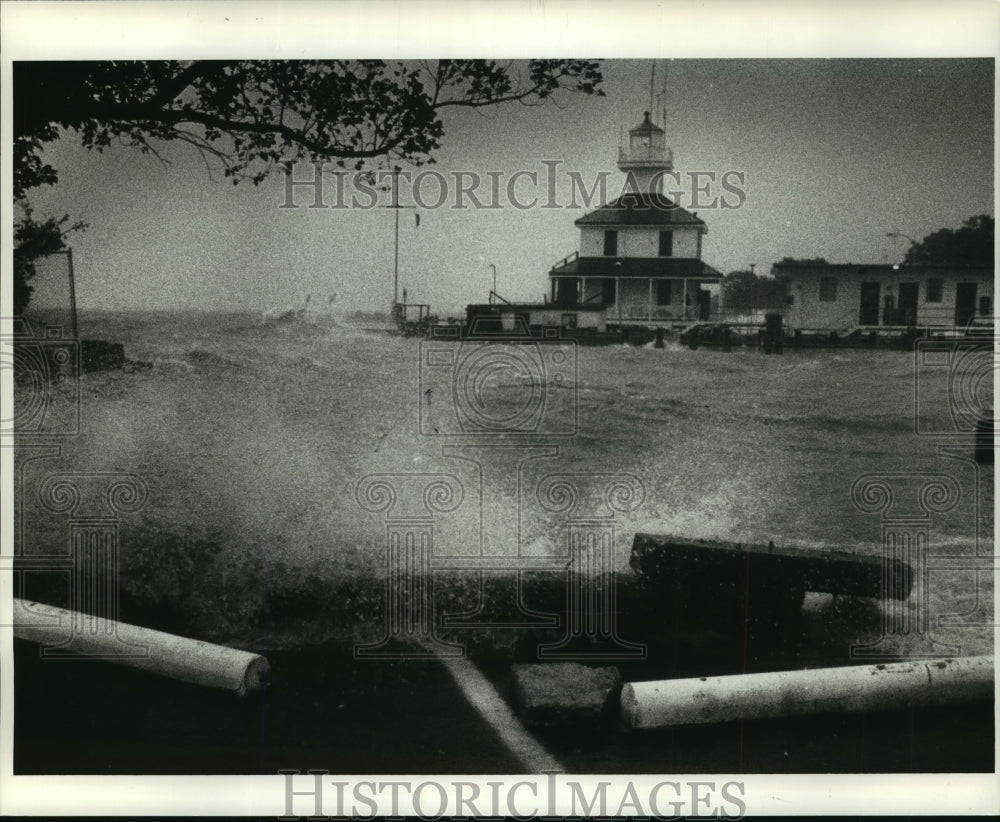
[647, 126]
[635, 209]
[655, 267]
[833, 269]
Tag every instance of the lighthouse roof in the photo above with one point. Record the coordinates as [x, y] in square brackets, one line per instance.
[637, 209]
[647, 126]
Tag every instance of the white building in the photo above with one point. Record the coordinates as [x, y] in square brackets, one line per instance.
[640, 255]
[829, 297]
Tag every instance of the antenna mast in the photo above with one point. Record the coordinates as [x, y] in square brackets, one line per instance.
[666, 68]
[652, 80]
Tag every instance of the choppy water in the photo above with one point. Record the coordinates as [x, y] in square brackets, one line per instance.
[252, 439]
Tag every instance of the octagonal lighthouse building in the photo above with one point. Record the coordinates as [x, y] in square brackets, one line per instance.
[640, 255]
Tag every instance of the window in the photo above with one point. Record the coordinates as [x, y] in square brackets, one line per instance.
[610, 243]
[666, 243]
[985, 306]
[827, 289]
[934, 289]
[663, 292]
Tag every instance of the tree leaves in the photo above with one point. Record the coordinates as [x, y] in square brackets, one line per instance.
[972, 244]
[252, 115]
[34, 239]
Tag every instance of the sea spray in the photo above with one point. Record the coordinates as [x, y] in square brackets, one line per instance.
[252, 440]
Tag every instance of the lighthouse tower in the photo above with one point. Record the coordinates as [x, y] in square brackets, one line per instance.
[647, 157]
[640, 255]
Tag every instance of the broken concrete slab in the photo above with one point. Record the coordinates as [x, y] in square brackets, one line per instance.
[751, 595]
[563, 693]
[779, 568]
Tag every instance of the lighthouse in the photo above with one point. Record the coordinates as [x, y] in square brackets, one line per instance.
[640, 255]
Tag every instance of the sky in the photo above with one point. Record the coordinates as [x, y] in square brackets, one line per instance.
[835, 154]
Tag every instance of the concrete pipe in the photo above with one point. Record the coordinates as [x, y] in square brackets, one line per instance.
[708, 700]
[167, 655]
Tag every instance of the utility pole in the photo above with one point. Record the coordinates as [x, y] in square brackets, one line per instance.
[395, 206]
[395, 262]
[72, 295]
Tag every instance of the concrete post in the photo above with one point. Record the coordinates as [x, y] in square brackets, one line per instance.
[855, 689]
[174, 657]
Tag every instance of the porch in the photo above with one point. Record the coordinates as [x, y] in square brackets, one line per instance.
[636, 299]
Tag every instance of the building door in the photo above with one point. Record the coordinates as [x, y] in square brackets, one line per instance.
[704, 304]
[907, 304]
[869, 304]
[888, 310]
[608, 292]
[965, 303]
[567, 290]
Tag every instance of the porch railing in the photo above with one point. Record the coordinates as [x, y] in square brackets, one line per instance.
[565, 261]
